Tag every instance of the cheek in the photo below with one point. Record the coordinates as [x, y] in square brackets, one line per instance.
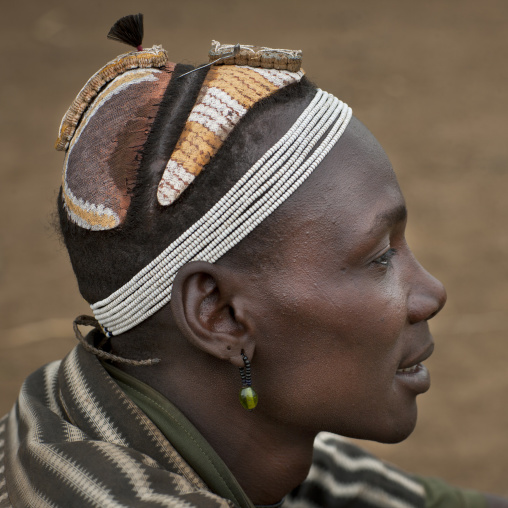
[343, 341]
[350, 315]
[356, 313]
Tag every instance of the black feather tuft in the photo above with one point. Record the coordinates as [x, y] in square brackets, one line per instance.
[128, 30]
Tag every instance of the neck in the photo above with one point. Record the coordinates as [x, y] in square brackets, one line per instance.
[267, 458]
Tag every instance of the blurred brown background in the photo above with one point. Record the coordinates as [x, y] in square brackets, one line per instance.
[428, 78]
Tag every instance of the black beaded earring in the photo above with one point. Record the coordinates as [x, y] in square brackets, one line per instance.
[248, 397]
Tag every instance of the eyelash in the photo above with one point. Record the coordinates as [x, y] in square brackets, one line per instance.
[385, 259]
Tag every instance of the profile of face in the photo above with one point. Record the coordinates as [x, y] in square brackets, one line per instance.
[340, 318]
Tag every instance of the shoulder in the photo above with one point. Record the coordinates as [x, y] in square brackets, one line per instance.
[74, 439]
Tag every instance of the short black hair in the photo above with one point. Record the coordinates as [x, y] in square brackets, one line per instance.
[105, 260]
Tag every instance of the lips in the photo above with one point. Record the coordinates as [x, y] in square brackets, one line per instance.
[412, 374]
[412, 362]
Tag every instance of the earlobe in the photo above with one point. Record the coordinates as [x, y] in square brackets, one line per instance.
[206, 309]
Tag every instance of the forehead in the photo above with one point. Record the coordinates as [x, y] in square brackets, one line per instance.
[352, 187]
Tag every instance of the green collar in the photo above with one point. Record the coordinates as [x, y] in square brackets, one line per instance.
[184, 437]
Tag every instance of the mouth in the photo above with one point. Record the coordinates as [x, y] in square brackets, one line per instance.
[413, 362]
[413, 374]
[409, 370]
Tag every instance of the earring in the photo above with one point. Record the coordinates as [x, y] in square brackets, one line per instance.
[248, 397]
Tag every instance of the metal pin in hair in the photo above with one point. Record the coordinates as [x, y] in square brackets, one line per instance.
[236, 50]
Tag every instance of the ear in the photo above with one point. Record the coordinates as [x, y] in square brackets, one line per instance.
[208, 308]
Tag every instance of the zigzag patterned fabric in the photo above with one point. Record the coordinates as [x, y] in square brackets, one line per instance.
[75, 439]
[228, 92]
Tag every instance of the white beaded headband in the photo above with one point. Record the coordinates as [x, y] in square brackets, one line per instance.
[267, 184]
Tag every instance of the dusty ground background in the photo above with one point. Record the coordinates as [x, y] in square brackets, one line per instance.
[428, 78]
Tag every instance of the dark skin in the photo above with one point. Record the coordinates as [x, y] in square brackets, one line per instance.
[328, 326]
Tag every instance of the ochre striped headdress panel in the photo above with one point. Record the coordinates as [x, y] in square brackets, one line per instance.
[228, 92]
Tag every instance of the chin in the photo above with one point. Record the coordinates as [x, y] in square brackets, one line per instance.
[389, 429]
[395, 436]
[399, 429]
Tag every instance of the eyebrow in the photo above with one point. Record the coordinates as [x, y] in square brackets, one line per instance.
[391, 217]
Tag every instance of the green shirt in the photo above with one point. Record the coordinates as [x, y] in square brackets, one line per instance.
[441, 495]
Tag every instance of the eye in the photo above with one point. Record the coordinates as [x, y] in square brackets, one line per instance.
[385, 259]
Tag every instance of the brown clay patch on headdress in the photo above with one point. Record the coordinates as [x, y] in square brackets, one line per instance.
[103, 157]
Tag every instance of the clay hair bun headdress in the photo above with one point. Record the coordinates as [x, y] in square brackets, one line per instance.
[109, 121]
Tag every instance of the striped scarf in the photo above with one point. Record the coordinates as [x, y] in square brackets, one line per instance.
[74, 438]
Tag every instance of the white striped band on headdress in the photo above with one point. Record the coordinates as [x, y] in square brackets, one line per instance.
[267, 184]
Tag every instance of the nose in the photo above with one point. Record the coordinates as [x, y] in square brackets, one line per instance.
[427, 295]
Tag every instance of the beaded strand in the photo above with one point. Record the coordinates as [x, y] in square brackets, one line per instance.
[162, 270]
[209, 216]
[233, 219]
[158, 301]
[268, 183]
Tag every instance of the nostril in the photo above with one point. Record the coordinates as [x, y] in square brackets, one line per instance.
[434, 313]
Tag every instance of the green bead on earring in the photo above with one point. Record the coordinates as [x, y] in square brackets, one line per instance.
[248, 396]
